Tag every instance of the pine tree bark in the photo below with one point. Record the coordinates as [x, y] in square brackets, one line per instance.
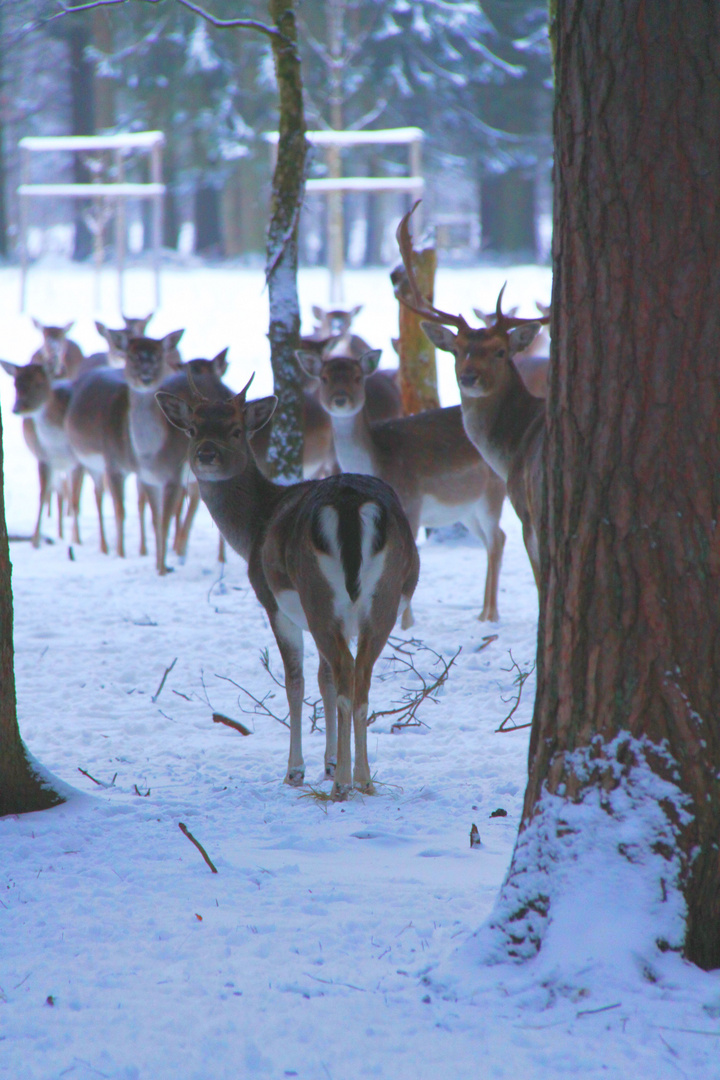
[22, 787]
[629, 634]
[286, 442]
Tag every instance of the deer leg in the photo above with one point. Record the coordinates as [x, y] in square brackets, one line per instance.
[413, 516]
[116, 483]
[99, 492]
[531, 546]
[327, 690]
[60, 508]
[493, 538]
[221, 549]
[371, 642]
[290, 642]
[44, 478]
[142, 503]
[171, 494]
[76, 482]
[332, 645]
[183, 534]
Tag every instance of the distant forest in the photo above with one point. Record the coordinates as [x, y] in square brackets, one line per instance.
[476, 77]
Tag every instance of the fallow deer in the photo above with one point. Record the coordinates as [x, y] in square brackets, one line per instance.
[502, 418]
[62, 357]
[533, 362]
[97, 427]
[427, 459]
[335, 557]
[43, 403]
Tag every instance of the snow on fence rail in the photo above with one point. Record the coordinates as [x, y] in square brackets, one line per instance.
[108, 198]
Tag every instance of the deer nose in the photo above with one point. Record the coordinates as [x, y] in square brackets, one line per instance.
[206, 454]
[468, 379]
[340, 401]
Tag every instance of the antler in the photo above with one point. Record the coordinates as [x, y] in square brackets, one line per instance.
[420, 305]
[503, 323]
[243, 393]
[198, 397]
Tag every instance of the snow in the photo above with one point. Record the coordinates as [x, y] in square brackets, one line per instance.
[335, 941]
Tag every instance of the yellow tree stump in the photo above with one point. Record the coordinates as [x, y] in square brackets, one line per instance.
[418, 371]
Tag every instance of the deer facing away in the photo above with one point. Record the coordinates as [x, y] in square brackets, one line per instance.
[335, 557]
[427, 459]
[502, 418]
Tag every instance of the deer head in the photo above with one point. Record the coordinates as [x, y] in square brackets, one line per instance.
[342, 379]
[482, 355]
[333, 323]
[33, 386]
[218, 430]
[54, 346]
[147, 361]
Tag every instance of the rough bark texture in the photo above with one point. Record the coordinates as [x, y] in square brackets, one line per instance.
[286, 443]
[418, 370]
[629, 635]
[21, 789]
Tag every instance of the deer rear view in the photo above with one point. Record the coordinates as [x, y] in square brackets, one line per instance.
[335, 557]
[427, 459]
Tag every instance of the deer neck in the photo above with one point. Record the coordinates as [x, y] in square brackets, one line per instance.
[242, 505]
[148, 426]
[354, 447]
[497, 424]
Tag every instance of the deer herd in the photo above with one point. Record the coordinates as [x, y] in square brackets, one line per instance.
[334, 554]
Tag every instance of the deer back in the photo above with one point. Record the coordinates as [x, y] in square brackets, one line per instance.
[97, 422]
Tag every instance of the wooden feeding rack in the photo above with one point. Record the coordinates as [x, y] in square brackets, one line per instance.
[108, 198]
[335, 185]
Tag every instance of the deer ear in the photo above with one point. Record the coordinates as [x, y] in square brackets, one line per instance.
[370, 360]
[170, 341]
[440, 336]
[310, 362]
[355, 311]
[220, 362]
[38, 325]
[101, 329]
[257, 413]
[522, 336]
[177, 411]
[12, 369]
[117, 338]
[66, 329]
[318, 312]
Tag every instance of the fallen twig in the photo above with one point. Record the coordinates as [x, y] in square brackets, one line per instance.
[186, 832]
[260, 706]
[519, 681]
[413, 699]
[100, 783]
[158, 692]
[603, 1008]
[218, 718]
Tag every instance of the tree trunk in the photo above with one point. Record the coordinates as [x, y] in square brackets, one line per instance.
[418, 370]
[628, 699]
[82, 123]
[288, 186]
[23, 788]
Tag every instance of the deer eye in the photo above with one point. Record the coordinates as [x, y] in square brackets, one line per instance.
[236, 433]
[501, 354]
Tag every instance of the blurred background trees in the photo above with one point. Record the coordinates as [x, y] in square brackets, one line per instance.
[474, 76]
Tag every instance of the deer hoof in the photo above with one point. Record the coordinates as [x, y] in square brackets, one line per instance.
[340, 792]
[365, 786]
[489, 615]
[295, 777]
[330, 770]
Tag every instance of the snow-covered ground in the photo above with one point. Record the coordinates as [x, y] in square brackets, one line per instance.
[335, 941]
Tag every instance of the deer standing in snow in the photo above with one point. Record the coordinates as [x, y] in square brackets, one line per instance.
[335, 557]
[61, 356]
[502, 418]
[427, 459]
[43, 403]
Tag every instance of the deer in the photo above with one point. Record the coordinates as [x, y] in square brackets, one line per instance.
[335, 557]
[501, 417]
[43, 403]
[62, 357]
[334, 322]
[427, 459]
[533, 362]
[96, 424]
[117, 341]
